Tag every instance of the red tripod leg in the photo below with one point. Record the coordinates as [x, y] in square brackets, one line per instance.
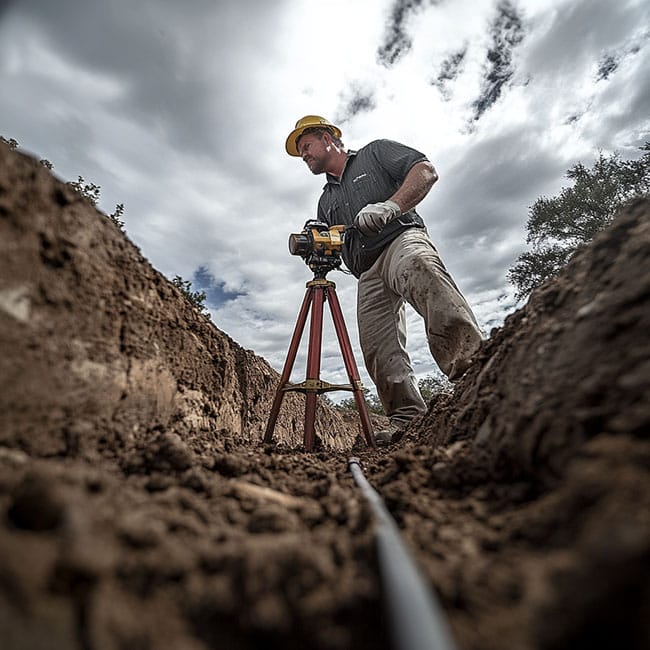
[288, 365]
[351, 366]
[313, 364]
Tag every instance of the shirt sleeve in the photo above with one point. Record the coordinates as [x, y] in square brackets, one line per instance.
[396, 158]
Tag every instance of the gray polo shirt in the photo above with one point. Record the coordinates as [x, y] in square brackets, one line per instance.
[371, 175]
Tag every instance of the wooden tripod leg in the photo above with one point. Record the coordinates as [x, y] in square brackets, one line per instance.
[313, 364]
[351, 366]
[288, 365]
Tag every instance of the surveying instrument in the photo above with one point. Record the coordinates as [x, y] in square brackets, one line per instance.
[320, 246]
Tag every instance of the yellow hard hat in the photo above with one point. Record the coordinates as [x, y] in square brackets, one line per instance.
[304, 123]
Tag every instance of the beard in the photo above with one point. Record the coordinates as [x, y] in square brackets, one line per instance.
[316, 166]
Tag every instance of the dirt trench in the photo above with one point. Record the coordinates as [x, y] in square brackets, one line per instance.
[139, 508]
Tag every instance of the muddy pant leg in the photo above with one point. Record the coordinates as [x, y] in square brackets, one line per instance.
[382, 333]
[412, 268]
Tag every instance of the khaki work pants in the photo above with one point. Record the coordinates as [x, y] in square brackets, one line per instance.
[410, 270]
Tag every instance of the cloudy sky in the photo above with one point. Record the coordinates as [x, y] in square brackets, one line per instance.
[180, 112]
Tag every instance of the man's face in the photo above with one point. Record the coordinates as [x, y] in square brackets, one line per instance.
[314, 150]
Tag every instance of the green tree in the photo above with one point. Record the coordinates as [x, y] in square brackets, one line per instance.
[115, 217]
[89, 191]
[11, 143]
[558, 226]
[372, 403]
[196, 298]
[434, 385]
[326, 399]
[429, 386]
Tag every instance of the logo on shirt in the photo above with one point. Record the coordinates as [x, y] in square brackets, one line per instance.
[359, 177]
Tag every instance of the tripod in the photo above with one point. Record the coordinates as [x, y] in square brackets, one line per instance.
[318, 291]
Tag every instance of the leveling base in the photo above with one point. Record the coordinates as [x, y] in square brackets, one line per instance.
[318, 291]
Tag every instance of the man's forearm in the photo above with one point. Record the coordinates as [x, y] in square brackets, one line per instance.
[416, 186]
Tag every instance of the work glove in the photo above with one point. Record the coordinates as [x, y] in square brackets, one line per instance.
[375, 216]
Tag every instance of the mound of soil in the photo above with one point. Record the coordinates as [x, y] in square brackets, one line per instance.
[100, 351]
[139, 508]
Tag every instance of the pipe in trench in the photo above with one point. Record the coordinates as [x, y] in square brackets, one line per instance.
[417, 621]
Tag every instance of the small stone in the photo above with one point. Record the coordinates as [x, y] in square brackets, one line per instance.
[230, 465]
[140, 532]
[271, 518]
[175, 451]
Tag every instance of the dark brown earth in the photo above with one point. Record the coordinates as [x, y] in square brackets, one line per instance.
[139, 509]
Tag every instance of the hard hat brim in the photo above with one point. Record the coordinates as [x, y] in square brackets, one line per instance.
[291, 144]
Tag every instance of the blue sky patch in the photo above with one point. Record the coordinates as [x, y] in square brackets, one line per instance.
[215, 292]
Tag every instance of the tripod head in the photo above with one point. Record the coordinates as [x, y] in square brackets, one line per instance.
[321, 267]
[319, 245]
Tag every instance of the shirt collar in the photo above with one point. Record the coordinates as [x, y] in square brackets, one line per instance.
[333, 179]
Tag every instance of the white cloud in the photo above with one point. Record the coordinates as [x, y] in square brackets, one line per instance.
[181, 111]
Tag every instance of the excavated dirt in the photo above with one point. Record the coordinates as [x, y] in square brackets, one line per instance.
[139, 508]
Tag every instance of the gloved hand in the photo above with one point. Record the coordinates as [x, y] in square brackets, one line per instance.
[375, 216]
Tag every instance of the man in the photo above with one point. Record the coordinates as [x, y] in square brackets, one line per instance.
[374, 192]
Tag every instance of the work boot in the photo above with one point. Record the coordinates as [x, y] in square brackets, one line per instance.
[385, 436]
[458, 370]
